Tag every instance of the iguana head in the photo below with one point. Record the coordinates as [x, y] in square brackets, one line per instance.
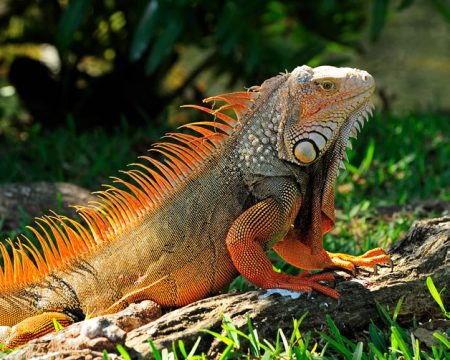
[325, 104]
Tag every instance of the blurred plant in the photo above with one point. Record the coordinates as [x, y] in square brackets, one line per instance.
[134, 58]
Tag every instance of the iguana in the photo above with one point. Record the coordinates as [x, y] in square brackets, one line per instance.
[180, 229]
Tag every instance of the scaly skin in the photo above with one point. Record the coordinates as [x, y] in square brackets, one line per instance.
[187, 227]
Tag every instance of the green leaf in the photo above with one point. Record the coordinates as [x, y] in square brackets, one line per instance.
[357, 354]
[401, 343]
[72, 18]
[442, 8]
[397, 309]
[442, 339]
[435, 294]
[334, 330]
[376, 338]
[226, 352]
[254, 342]
[379, 11]
[230, 328]
[123, 352]
[365, 164]
[163, 45]
[174, 351]
[145, 30]
[155, 351]
[284, 340]
[218, 336]
[57, 325]
[416, 348]
[404, 4]
[376, 352]
[182, 349]
[337, 345]
[194, 348]
[384, 315]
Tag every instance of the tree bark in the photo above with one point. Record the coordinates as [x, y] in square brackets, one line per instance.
[19, 201]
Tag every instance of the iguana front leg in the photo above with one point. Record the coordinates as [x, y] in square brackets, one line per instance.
[262, 226]
[295, 252]
[32, 328]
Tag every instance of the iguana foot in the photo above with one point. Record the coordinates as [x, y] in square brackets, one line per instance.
[32, 328]
[300, 255]
[303, 282]
[369, 259]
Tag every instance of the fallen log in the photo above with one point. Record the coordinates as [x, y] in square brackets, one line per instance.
[35, 199]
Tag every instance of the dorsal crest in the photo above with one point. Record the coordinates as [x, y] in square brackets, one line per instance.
[62, 240]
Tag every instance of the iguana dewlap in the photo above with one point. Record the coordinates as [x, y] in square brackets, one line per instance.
[187, 225]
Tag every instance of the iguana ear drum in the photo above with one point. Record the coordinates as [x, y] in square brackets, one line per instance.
[306, 151]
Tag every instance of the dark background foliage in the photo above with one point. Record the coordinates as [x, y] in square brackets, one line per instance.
[131, 59]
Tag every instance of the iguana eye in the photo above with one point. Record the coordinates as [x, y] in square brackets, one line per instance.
[327, 85]
[305, 152]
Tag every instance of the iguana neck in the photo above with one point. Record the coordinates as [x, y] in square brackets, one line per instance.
[317, 215]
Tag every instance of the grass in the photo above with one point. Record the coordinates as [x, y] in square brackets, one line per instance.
[85, 159]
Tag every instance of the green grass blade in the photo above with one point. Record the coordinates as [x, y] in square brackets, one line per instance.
[194, 348]
[155, 351]
[123, 352]
[277, 341]
[357, 354]
[435, 294]
[230, 328]
[254, 342]
[435, 352]
[337, 334]
[284, 340]
[442, 339]
[334, 330]
[270, 346]
[376, 338]
[57, 325]
[365, 164]
[376, 352]
[337, 345]
[182, 349]
[416, 347]
[397, 309]
[396, 334]
[298, 354]
[222, 338]
[324, 350]
[174, 351]
[226, 352]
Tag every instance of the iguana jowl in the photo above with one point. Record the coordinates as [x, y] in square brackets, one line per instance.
[188, 225]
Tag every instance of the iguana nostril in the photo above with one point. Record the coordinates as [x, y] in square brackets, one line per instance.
[305, 152]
